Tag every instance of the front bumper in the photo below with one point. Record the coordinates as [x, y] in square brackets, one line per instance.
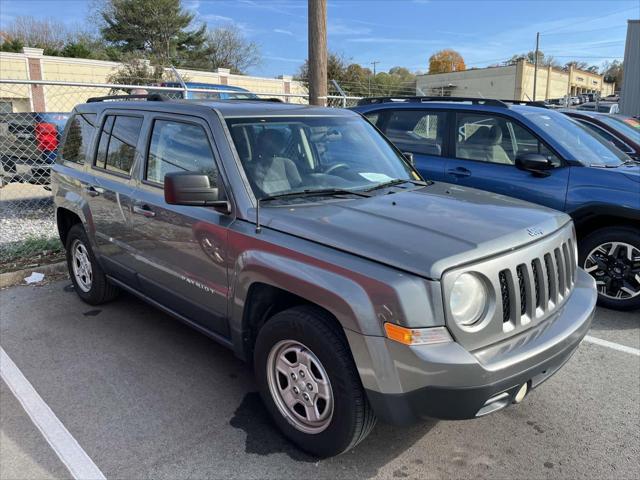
[405, 384]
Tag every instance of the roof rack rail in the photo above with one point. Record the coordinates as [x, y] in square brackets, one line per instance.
[259, 99]
[529, 103]
[151, 97]
[476, 101]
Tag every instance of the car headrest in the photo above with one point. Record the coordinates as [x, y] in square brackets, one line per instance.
[271, 143]
[486, 136]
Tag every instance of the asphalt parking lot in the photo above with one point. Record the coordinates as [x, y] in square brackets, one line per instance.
[147, 397]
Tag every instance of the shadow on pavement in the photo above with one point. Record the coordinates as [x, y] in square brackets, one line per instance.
[263, 438]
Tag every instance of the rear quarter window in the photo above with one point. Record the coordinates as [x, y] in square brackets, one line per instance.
[79, 135]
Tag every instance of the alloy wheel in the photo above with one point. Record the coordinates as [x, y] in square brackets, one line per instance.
[616, 268]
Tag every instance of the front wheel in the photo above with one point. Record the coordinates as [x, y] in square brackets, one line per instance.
[309, 382]
[612, 256]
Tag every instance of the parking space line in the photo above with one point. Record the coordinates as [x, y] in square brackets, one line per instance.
[57, 436]
[613, 345]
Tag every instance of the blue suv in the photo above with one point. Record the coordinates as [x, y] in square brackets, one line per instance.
[219, 91]
[526, 151]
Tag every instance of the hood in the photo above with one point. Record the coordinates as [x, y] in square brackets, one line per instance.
[631, 171]
[618, 177]
[423, 231]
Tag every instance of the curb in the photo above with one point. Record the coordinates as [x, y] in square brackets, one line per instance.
[15, 278]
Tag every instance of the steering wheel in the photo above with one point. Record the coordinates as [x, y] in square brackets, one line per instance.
[335, 167]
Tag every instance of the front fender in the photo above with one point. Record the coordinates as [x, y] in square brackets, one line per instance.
[317, 285]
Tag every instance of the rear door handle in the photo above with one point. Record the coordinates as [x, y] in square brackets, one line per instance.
[144, 210]
[93, 191]
[459, 172]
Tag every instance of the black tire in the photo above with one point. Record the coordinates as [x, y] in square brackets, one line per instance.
[101, 290]
[628, 235]
[353, 418]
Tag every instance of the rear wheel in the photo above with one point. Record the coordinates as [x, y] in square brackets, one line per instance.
[89, 281]
[309, 382]
[612, 256]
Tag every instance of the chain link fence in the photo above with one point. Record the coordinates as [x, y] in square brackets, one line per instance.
[33, 115]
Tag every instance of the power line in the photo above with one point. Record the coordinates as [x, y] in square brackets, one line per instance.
[574, 32]
[582, 22]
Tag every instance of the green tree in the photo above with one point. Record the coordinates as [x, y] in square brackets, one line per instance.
[613, 72]
[161, 30]
[357, 80]
[76, 50]
[14, 45]
[135, 70]
[543, 60]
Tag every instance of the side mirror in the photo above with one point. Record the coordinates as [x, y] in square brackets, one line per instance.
[535, 163]
[194, 189]
[409, 157]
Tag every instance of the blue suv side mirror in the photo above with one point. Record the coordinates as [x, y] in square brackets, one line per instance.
[535, 163]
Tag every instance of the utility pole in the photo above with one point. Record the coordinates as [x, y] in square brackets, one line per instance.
[535, 66]
[317, 16]
[374, 63]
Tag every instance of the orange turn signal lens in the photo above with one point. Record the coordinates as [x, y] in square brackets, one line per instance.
[417, 336]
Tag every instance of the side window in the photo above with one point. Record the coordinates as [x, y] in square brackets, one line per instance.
[373, 117]
[79, 135]
[416, 131]
[101, 156]
[494, 139]
[122, 145]
[117, 145]
[179, 147]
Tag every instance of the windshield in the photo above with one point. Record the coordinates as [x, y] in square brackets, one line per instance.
[294, 154]
[577, 140]
[628, 126]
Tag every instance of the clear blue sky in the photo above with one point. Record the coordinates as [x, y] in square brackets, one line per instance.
[400, 32]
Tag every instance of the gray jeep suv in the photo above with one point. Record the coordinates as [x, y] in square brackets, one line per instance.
[303, 240]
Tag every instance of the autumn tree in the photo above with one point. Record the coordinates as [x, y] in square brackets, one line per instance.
[446, 61]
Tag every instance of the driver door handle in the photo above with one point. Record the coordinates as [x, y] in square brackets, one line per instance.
[144, 210]
[93, 191]
[459, 172]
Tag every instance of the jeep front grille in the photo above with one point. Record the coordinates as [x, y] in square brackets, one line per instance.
[527, 284]
[529, 292]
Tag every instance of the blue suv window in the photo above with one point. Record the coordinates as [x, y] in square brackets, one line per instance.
[495, 139]
[416, 131]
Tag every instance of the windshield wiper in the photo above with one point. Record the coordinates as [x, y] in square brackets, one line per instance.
[314, 193]
[398, 181]
[304, 193]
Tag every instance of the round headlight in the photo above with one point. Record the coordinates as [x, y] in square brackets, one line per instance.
[468, 299]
